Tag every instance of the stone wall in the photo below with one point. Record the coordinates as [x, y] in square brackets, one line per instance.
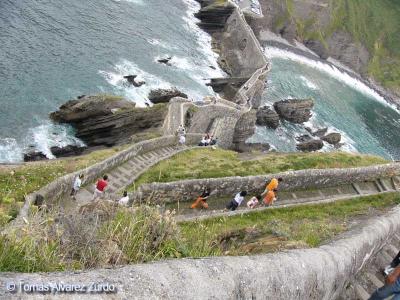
[62, 186]
[187, 190]
[318, 273]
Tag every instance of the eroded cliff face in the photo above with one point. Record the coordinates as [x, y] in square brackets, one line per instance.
[319, 25]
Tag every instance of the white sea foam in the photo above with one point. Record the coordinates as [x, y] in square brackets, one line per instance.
[137, 94]
[47, 135]
[272, 52]
[10, 151]
[203, 39]
[308, 83]
[140, 2]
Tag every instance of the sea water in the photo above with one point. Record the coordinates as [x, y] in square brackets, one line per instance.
[368, 124]
[53, 51]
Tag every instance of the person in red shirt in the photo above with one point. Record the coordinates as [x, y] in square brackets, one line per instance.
[100, 187]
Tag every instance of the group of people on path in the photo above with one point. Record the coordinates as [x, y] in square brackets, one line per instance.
[267, 198]
[99, 191]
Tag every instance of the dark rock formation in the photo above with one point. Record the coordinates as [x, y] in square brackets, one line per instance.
[34, 156]
[108, 120]
[267, 117]
[304, 138]
[70, 150]
[294, 110]
[213, 16]
[332, 138]
[244, 128]
[228, 87]
[164, 95]
[132, 80]
[310, 146]
[165, 60]
[317, 47]
[319, 133]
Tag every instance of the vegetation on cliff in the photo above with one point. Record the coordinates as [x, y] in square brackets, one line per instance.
[210, 163]
[373, 23]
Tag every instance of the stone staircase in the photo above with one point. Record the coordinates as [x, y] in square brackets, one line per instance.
[125, 174]
[371, 277]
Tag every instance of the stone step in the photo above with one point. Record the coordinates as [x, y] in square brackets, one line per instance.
[124, 171]
[361, 293]
[374, 280]
[391, 250]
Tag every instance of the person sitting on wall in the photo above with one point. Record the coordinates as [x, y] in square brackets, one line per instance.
[253, 202]
[235, 203]
[201, 201]
[208, 139]
[214, 141]
[270, 197]
[205, 140]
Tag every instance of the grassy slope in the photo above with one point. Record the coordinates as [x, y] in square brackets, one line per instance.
[278, 229]
[209, 163]
[18, 181]
[374, 23]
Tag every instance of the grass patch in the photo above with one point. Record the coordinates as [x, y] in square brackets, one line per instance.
[277, 229]
[209, 163]
[373, 23]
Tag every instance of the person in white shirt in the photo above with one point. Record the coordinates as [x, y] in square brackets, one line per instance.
[235, 203]
[124, 200]
[76, 186]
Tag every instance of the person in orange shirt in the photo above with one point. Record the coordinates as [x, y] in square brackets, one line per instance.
[201, 201]
[270, 197]
[272, 185]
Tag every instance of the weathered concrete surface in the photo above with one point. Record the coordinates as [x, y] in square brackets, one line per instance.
[320, 273]
[186, 190]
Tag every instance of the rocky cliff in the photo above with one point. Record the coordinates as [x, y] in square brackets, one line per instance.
[108, 120]
[363, 35]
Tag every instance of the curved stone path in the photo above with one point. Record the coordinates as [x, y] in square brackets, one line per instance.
[296, 198]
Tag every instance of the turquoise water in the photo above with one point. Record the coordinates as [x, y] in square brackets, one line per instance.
[342, 104]
[53, 51]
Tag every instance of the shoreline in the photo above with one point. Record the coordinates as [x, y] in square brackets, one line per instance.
[276, 41]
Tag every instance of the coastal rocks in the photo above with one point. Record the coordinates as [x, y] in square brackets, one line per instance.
[304, 138]
[248, 147]
[164, 95]
[332, 138]
[70, 150]
[132, 80]
[213, 15]
[310, 146]
[165, 60]
[318, 133]
[267, 117]
[294, 110]
[108, 120]
[34, 156]
[244, 128]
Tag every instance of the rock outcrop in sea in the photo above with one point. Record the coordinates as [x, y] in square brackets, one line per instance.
[108, 120]
[295, 110]
[266, 116]
[164, 95]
